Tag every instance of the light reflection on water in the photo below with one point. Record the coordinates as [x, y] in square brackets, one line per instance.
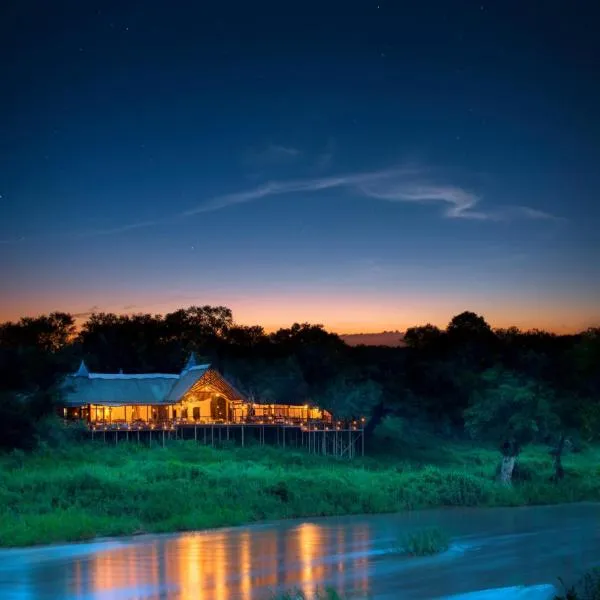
[492, 549]
[225, 565]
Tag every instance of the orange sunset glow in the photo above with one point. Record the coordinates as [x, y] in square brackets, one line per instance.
[353, 313]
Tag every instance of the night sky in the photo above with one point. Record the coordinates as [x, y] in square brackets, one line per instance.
[366, 165]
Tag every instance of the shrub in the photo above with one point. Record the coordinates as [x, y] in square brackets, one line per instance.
[587, 588]
[425, 542]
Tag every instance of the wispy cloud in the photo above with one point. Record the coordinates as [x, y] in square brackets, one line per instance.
[531, 213]
[273, 154]
[276, 150]
[120, 228]
[87, 233]
[278, 188]
[401, 184]
[407, 184]
[459, 202]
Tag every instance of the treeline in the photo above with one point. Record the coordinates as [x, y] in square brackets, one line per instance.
[468, 379]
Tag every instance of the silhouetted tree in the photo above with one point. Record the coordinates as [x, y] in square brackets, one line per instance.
[512, 410]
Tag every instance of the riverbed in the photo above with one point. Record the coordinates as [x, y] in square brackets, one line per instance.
[494, 553]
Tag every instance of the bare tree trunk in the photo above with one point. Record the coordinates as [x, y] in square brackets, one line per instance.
[559, 471]
[509, 459]
[506, 469]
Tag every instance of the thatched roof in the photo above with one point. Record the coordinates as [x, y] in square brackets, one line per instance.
[118, 389]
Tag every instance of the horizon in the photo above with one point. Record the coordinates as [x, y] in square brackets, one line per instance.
[81, 317]
[303, 164]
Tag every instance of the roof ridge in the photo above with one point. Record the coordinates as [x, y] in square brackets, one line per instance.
[133, 376]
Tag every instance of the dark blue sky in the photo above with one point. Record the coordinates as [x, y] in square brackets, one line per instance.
[368, 165]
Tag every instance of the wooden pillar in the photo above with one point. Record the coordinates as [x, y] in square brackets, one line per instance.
[195, 432]
[335, 441]
[362, 441]
[163, 436]
[242, 436]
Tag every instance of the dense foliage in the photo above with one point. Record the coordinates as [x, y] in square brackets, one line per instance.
[502, 386]
[85, 490]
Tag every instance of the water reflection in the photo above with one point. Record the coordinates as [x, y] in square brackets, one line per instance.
[495, 548]
[225, 565]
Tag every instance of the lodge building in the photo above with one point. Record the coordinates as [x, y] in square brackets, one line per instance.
[196, 396]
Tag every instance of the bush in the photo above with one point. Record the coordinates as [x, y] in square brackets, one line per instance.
[587, 588]
[187, 486]
[425, 542]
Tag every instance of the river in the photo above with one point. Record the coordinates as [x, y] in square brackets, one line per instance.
[497, 553]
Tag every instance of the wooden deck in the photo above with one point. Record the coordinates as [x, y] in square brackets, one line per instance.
[344, 439]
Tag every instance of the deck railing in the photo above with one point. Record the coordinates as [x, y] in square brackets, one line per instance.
[172, 424]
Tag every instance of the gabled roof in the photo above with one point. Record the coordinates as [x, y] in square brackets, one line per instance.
[185, 381]
[101, 388]
[145, 388]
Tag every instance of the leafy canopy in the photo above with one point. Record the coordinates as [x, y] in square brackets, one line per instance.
[510, 407]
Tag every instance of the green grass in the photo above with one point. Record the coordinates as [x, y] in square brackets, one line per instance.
[88, 490]
[425, 542]
[587, 588]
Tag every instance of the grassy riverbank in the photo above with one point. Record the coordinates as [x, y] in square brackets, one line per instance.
[90, 490]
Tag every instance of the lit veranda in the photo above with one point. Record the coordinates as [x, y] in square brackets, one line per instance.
[198, 395]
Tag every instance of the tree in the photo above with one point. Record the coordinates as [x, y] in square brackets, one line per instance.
[422, 337]
[321, 355]
[468, 325]
[245, 337]
[48, 333]
[512, 410]
[275, 381]
[348, 398]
